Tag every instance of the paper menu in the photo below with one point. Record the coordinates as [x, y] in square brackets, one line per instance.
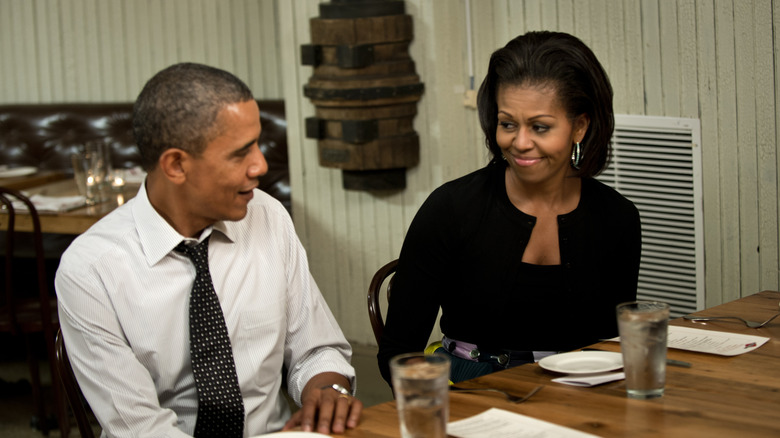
[709, 341]
[498, 423]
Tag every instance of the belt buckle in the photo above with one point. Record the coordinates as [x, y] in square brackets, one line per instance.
[502, 359]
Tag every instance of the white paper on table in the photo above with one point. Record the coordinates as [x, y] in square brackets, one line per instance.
[709, 341]
[498, 423]
[52, 204]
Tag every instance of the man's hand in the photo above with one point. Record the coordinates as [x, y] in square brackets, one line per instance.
[325, 408]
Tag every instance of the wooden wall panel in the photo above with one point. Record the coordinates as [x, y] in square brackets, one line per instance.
[633, 83]
[727, 152]
[670, 60]
[770, 222]
[24, 47]
[765, 152]
[617, 50]
[745, 92]
[708, 113]
[105, 50]
[651, 49]
[687, 58]
[45, 65]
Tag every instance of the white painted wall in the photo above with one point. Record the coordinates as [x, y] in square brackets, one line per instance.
[716, 61]
[105, 50]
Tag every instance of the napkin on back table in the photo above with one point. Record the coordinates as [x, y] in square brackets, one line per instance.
[52, 204]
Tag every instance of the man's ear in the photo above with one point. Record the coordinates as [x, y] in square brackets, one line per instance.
[173, 163]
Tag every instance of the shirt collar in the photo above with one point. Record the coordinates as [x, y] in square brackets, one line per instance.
[158, 238]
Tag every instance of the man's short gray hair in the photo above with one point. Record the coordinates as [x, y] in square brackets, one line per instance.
[178, 108]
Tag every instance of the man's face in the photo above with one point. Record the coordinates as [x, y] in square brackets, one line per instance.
[220, 181]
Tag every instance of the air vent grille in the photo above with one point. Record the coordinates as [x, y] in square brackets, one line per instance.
[656, 163]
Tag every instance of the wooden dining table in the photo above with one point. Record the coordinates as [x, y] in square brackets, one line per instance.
[718, 396]
[74, 221]
[38, 178]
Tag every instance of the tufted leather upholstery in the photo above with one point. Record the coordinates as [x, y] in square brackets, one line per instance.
[45, 135]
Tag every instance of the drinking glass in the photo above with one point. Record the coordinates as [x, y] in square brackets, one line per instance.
[643, 327]
[421, 385]
[90, 170]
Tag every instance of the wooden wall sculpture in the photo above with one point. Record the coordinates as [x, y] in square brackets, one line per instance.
[365, 90]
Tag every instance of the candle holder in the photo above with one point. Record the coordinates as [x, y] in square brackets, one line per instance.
[118, 180]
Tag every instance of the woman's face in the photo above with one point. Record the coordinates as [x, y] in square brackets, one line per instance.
[535, 134]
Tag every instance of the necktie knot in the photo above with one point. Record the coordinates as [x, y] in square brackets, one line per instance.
[199, 254]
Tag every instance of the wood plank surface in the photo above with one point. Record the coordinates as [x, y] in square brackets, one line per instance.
[36, 179]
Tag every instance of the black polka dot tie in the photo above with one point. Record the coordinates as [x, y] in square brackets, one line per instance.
[220, 406]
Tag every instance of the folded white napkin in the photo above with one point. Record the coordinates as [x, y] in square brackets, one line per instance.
[52, 204]
[590, 379]
[136, 175]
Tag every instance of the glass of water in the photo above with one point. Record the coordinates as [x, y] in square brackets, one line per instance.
[643, 327]
[421, 385]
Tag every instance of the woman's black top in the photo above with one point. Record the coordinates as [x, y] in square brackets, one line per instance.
[463, 253]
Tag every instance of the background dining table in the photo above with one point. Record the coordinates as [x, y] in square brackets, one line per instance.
[73, 221]
[718, 396]
[32, 180]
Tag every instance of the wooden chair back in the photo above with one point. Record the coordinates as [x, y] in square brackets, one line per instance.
[374, 292]
[27, 310]
[72, 389]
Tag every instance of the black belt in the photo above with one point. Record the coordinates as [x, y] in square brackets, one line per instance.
[503, 357]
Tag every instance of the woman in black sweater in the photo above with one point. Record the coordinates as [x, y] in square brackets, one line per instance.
[529, 255]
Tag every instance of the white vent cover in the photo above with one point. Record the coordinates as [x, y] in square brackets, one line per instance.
[656, 163]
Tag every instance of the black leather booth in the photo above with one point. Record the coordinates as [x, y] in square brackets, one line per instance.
[45, 135]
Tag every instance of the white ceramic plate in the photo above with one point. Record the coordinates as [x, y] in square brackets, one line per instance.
[583, 362]
[292, 434]
[17, 171]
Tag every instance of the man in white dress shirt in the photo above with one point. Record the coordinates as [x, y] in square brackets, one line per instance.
[124, 291]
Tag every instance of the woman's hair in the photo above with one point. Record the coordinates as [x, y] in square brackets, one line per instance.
[178, 108]
[566, 64]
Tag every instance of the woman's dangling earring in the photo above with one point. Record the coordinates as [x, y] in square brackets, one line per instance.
[576, 156]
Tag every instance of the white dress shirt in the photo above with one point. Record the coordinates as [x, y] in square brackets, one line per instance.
[123, 304]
